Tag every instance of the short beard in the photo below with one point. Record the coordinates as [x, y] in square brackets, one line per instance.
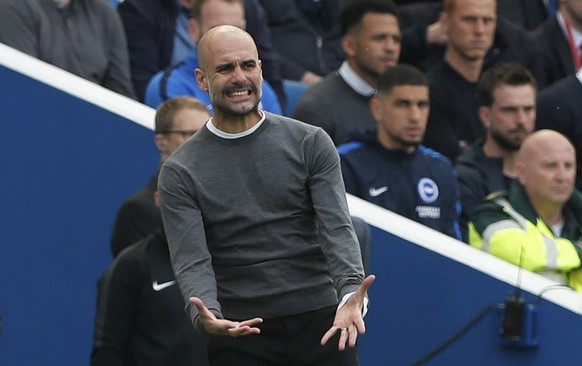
[230, 112]
[217, 104]
[505, 143]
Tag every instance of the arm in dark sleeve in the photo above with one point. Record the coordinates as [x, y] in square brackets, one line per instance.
[349, 177]
[470, 196]
[117, 77]
[282, 18]
[18, 27]
[452, 206]
[440, 135]
[414, 48]
[257, 26]
[149, 31]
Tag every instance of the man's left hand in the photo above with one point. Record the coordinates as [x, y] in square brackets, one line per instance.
[349, 320]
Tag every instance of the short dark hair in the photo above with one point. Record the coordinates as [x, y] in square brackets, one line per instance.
[505, 73]
[167, 110]
[400, 75]
[352, 14]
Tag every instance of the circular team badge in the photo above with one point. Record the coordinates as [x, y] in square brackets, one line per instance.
[428, 190]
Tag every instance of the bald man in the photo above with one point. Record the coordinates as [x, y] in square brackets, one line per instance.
[537, 224]
[258, 228]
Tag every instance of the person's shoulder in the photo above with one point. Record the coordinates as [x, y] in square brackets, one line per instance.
[141, 197]
[546, 30]
[492, 203]
[471, 159]
[566, 88]
[289, 123]
[350, 147]
[322, 89]
[178, 80]
[133, 257]
[290, 128]
[434, 156]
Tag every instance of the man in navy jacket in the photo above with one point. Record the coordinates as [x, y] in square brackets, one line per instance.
[390, 168]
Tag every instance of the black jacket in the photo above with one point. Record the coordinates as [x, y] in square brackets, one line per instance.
[421, 186]
[559, 109]
[478, 175]
[137, 218]
[556, 56]
[140, 316]
[511, 42]
[300, 46]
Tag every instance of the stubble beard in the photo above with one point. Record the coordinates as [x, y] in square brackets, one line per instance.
[218, 103]
[504, 142]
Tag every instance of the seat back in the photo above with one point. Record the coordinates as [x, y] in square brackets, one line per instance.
[293, 90]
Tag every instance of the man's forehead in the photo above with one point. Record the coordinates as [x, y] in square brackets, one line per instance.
[410, 91]
[231, 49]
[547, 153]
[234, 58]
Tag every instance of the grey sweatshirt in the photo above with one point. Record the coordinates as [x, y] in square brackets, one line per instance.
[259, 225]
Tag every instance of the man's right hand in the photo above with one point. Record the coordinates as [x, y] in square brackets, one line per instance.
[436, 33]
[216, 326]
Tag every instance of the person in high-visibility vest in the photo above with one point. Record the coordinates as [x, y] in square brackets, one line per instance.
[536, 224]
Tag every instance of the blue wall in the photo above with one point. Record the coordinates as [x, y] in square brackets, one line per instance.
[66, 167]
[68, 164]
[421, 298]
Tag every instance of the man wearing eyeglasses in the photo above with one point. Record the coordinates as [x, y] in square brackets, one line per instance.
[177, 119]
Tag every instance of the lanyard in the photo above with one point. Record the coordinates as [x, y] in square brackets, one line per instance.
[575, 51]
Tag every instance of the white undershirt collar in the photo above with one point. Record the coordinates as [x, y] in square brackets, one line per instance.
[238, 135]
[355, 81]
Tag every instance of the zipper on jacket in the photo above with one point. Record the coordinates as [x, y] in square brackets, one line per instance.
[319, 43]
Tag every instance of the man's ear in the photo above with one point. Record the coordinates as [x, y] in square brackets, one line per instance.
[485, 116]
[375, 107]
[160, 142]
[349, 45]
[519, 172]
[201, 80]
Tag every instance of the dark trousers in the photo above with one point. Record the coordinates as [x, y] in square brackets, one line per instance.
[286, 341]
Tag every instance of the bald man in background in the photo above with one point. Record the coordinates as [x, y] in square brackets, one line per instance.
[537, 224]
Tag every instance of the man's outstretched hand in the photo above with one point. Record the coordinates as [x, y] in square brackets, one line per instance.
[216, 326]
[349, 320]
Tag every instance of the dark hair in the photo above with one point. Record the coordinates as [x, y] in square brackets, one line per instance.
[400, 75]
[505, 73]
[167, 110]
[352, 14]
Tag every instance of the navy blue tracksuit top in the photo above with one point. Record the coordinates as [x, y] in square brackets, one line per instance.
[421, 186]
